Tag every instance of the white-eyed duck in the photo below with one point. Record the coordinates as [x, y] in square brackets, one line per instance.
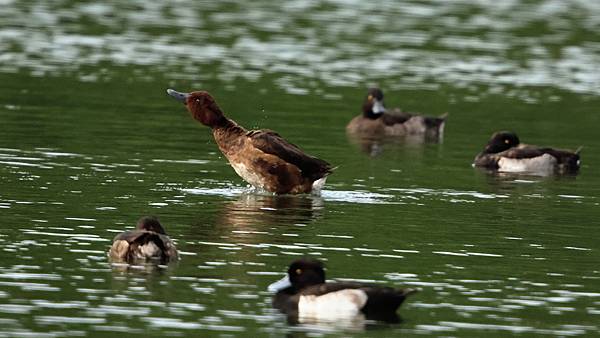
[303, 292]
[504, 152]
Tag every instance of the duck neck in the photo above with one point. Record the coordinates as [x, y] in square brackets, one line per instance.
[228, 135]
[371, 115]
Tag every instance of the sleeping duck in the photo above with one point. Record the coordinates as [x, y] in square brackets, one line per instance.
[261, 157]
[505, 153]
[303, 292]
[376, 121]
[148, 241]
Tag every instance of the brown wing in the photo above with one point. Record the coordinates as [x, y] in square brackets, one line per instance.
[270, 142]
[522, 151]
[389, 119]
[129, 236]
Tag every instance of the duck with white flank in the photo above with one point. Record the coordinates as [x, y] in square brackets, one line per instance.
[505, 153]
[303, 292]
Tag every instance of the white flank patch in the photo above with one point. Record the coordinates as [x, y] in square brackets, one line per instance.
[319, 184]
[248, 175]
[540, 164]
[337, 304]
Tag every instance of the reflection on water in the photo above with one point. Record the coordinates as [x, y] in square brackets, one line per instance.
[252, 210]
[357, 323]
[374, 146]
[463, 43]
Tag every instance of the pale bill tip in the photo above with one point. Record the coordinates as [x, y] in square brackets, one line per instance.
[280, 284]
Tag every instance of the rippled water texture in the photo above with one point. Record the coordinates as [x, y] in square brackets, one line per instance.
[89, 142]
[459, 43]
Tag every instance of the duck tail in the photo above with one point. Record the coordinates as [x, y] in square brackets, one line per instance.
[408, 291]
[436, 122]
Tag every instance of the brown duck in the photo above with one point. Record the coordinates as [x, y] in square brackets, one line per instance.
[261, 157]
[377, 121]
[148, 241]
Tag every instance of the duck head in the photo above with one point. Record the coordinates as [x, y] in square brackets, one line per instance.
[150, 223]
[373, 106]
[201, 105]
[501, 141]
[301, 273]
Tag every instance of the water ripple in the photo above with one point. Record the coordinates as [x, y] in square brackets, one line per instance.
[334, 44]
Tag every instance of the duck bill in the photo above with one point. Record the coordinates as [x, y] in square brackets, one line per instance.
[280, 284]
[181, 97]
[378, 107]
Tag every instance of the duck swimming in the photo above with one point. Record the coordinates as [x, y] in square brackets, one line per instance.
[148, 241]
[303, 292]
[376, 121]
[504, 152]
[261, 157]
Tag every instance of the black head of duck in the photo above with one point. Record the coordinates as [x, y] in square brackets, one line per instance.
[501, 141]
[148, 241]
[504, 152]
[377, 121]
[261, 157]
[303, 292]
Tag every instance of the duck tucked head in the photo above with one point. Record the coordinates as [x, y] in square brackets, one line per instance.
[150, 223]
[501, 141]
[202, 106]
[373, 106]
[301, 273]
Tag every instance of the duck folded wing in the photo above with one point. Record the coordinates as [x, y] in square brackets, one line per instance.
[129, 236]
[390, 119]
[523, 152]
[270, 142]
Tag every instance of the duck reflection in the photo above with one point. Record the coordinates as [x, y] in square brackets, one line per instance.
[375, 145]
[256, 211]
[357, 323]
[507, 183]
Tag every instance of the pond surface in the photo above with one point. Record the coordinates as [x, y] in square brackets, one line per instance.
[90, 142]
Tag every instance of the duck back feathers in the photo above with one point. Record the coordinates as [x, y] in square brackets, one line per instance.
[147, 242]
[272, 143]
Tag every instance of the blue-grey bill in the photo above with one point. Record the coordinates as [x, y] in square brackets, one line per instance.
[280, 284]
[181, 97]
